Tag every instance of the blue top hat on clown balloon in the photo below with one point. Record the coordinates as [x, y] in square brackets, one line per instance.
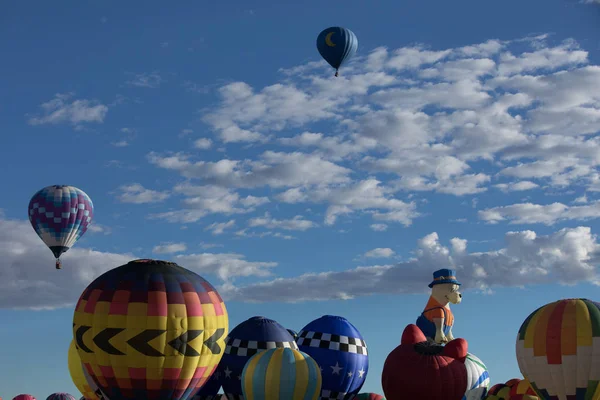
[444, 276]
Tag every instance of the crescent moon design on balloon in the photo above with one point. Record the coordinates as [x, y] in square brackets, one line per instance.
[328, 41]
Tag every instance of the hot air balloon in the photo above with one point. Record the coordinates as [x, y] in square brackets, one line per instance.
[520, 386]
[150, 329]
[24, 397]
[478, 378]
[281, 373]
[555, 349]
[60, 396]
[252, 336]
[418, 369]
[76, 372]
[60, 215]
[369, 396]
[337, 45]
[340, 350]
[210, 390]
[293, 333]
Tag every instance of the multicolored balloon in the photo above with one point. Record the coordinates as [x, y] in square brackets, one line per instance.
[478, 378]
[24, 397]
[60, 215]
[250, 337]
[369, 396]
[341, 352]
[337, 45]
[281, 373]
[150, 329]
[556, 346]
[76, 372]
[60, 396]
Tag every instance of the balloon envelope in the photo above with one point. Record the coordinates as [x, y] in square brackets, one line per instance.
[341, 352]
[556, 346]
[478, 378]
[210, 390]
[24, 397]
[150, 329]
[60, 396]
[337, 45]
[60, 215]
[77, 375]
[281, 373]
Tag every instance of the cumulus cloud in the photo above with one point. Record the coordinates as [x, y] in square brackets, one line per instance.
[200, 201]
[28, 278]
[512, 116]
[380, 252]
[297, 223]
[218, 228]
[169, 248]
[549, 214]
[567, 256]
[137, 194]
[63, 108]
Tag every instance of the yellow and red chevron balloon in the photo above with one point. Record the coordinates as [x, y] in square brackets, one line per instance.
[151, 330]
[556, 348]
[76, 372]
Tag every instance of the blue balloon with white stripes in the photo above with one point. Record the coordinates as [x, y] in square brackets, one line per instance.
[280, 374]
[341, 352]
[478, 378]
[337, 45]
[250, 337]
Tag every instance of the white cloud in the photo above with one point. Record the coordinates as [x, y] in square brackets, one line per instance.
[297, 223]
[121, 143]
[516, 116]
[567, 256]
[517, 186]
[148, 80]
[200, 201]
[380, 252]
[379, 227]
[218, 228]
[203, 143]
[169, 248]
[137, 194]
[28, 278]
[274, 169]
[528, 213]
[97, 228]
[367, 195]
[76, 112]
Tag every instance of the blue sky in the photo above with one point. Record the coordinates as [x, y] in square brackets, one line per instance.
[462, 134]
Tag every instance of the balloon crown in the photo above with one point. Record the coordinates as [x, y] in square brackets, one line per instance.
[149, 261]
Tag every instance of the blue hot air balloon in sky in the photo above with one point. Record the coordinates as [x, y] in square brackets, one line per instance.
[341, 352]
[337, 45]
[250, 337]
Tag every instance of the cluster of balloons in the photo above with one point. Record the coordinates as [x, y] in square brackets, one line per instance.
[513, 389]
[152, 329]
